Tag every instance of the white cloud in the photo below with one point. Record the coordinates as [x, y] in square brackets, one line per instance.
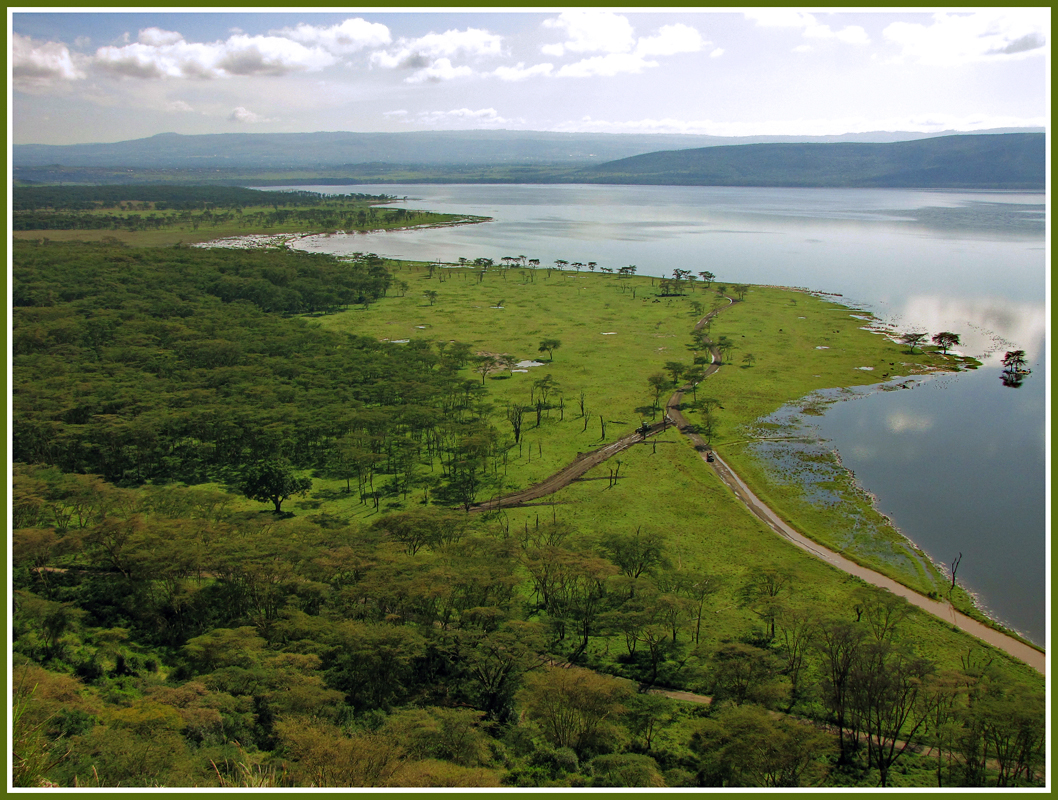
[464, 118]
[346, 37]
[669, 40]
[810, 27]
[41, 64]
[717, 53]
[431, 55]
[440, 70]
[591, 32]
[162, 54]
[959, 38]
[605, 66]
[520, 72]
[178, 105]
[156, 37]
[242, 115]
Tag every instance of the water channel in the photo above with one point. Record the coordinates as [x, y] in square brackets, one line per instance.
[960, 463]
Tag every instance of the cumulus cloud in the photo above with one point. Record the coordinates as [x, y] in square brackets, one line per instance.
[614, 39]
[440, 70]
[156, 37]
[242, 115]
[348, 36]
[41, 64]
[178, 105]
[810, 27]
[960, 38]
[164, 54]
[670, 40]
[606, 66]
[430, 56]
[591, 32]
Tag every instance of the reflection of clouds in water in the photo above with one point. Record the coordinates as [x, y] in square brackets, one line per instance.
[986, 326]
[906, 422]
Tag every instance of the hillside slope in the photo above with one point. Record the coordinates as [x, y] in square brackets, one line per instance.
[991, 161]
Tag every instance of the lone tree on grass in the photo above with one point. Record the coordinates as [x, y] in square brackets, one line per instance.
[549, 346]
[273, 481]
[431, 295]
[945, 339]
[912, 340]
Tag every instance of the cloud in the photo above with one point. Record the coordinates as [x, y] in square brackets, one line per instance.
[41, 64]
[717, 53]
[178, 105]
[242, 115]
[460, 118]
[440, 70]
[591, 32]
[165, 54]
[520, 72]
[431, 55]
[670, 40]
[810, 27]
[346, 37]
[156, 37]
[606, 66]
[613, 37]
[960, 38]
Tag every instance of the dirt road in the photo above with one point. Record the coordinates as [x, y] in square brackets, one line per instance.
[587, 461]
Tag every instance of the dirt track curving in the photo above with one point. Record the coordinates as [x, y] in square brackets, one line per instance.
[945, 611]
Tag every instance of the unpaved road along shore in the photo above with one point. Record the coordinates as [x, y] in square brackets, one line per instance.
[945, 611]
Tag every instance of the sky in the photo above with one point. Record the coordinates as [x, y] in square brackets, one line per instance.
[79, 77]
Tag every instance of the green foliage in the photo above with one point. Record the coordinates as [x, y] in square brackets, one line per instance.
[272, 481]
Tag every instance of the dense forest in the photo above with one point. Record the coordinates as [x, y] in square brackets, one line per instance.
[168, 632]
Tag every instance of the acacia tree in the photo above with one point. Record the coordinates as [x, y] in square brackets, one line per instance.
[549, 346]
[912, 340]
[659, 383]
[273, 481]
[945, 339]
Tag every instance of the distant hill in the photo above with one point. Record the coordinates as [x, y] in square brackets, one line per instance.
[1011, 161]
[996, 160]
[324, 150]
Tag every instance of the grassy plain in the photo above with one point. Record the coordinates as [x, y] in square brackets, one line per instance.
[615, 333]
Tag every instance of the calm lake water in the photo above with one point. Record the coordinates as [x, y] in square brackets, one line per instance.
[959, 463]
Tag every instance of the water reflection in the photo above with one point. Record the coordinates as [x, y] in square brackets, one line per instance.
[987, 326]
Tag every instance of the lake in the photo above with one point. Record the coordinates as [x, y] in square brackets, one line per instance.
[959, 463]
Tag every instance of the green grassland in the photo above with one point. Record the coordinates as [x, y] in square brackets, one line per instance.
[612, 326]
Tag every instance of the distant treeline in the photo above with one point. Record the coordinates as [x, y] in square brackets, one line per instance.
[177, 198]
[347, 217]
